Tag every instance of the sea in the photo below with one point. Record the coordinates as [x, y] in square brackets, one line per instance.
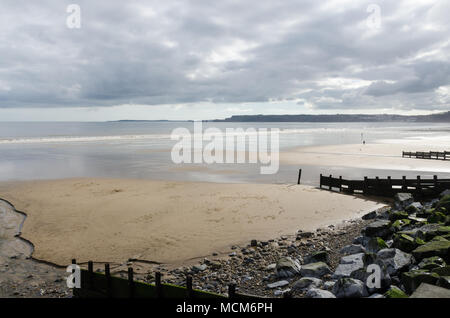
[143, 149]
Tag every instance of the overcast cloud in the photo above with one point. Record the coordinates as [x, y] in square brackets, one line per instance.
[241, 56]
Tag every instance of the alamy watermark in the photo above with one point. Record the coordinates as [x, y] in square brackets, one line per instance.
[73, 20]
[373, 21]
[235, 145]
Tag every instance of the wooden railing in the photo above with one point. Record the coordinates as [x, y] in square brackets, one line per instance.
[386, 187]
[427, 155]
[104, 285]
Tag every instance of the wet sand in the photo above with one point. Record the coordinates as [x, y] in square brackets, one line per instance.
[117, 219]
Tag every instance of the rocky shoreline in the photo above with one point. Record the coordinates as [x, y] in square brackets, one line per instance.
[408, 243]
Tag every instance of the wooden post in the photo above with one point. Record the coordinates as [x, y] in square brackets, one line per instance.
[231, 291]
[365, 186]
[403, 154]
[320, 186]
[108, 280]
[131, 282]
[389, 185]
[189, 290]
[91, 274]
[418, 187]
[435, 181]
[299, 175]
[329, 186]
[340, 183]
[159, 291]
[404, 186]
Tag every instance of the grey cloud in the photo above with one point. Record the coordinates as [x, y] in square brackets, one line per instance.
[224, 52]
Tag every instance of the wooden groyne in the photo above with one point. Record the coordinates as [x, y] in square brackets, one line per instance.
[387, 187]
[436, 155]
[104, 285]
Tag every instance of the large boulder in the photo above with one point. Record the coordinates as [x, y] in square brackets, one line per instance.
[412, 279]
[406, 243]
[349, 288]
[414, 207]
[444, 281]
[433, 248]
[348, 265]
[319, 256]
[430, 291]
[442, 271]
[432, 263]
[398, 215]
[317, 270]
[380, 228]
[319, 293]
[394, 259]
[352, 249]
[444, 204]
[287, 267]
[367, 276]
[402, 200]
[305, 283]
[375, 244]
[395, 292]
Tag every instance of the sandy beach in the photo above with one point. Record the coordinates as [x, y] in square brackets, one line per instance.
[117, 219]
[374, 156]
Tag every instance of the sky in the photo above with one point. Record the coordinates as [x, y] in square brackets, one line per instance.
[111, 60]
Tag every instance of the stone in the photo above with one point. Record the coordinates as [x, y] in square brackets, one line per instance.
[329, 284]
[352, 249]
[199, 268]
[254, 243]
[405, 242]
[437, 217]
[412, 279]
[398, 215]
[444, 203]
[366, 275]
[280, 292]
[320, 256]
[319, 293]
[429, 291]
[278, 284]
[442, 271]
[349, 288]
[400, 225]
[444, 281]
[444, 193]
[361, 240]
[301, 234]
[305, 283]
[375, 244]
[271, 267]
[395, 292]
[370, 215]
[394, 259]
[379, 228]
[433, 248]
[317, 270]
[414, 207]
[287, 267]
[376, 296]
[403, 199]
[431, 263]
[348, 265]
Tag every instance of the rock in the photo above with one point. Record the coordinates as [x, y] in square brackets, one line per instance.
[271, 267]
[442, 271]
[254, 243]
[412, 279]
[280, 292]
[379, 228]
[414, 207]
[415, 220]
[402, 200]
[278, 284]
[395, 292]
[367, 276]
[305, 283]
[394, 259]
[398, 215]
[352, 249]
[287, 267]
[437, 217]
[444, 204]
[400, 225]
[433, 248]
[329, 284]
[349, 288]
[430, 291]
[431, 263]
[406, 243]
[319, 293]
[320, 256]
[444, 193]
[301, 234]
[375, 244]
[376, 296]
[199, 268]
[361, 240]
[370, 215]
[348, 265]
[317, 270]
[444, 281]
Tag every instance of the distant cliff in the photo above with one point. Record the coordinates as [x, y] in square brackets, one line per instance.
[440, 117]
